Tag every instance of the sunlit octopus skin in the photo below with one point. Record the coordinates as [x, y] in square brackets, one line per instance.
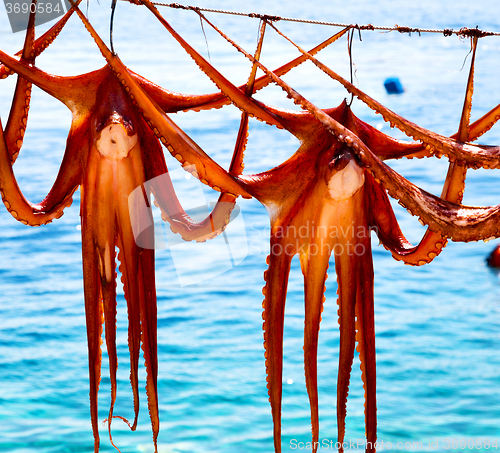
[167, 99]
[104, 156]
[155, 119]
[110, 152]
[458, 222]
[18, 115]
[254, 185]
[287, 210]
[276, 276]
[337, 146]
[322, 190]
[453, 190]
[456, 150]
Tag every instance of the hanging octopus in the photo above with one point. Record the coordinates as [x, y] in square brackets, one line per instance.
[335, 180]
[110, 152]
[327, 183]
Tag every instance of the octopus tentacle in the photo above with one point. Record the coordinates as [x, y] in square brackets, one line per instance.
[352, 259]
[50, 208]
[134, 323]
[473, 131]
[455, 179]
[314, 259]
[476, 130]
[47, 83]
[365, 337]
[484, 124]
[18, 116]
[323, 202]
[219, 218]
[296, 97]
[286, 213]
[113, 170]
[237, 165]
[276, 117]
[180, 145]
[332, 209]
[94, 320]
[314, 268]
[287, 119]
[41, 43]
[274, 291]
[139, 282]
[294, 122]
[384, 146]
[104, 237]
[353, 264]
[344, 243]
[346, 302]
[149, 337]
[399, 149]
[226, 202]
[384, 220]
[139, 266]
[365, 325]
[158, 182]
[108, 290]
[389, 231]
[473, 156]
[98, 248]
[460, 223]
[171, 102]
[231, 91]
[362, 267]
[63, 88]
[432, 243]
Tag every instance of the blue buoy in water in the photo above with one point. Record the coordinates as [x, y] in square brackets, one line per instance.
[393, 86]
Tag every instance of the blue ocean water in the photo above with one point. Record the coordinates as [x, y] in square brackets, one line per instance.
[437, 326]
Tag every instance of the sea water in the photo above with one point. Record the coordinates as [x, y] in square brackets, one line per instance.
[437, 326]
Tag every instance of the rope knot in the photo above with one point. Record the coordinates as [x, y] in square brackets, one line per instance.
[472, 33]
[406, 29]
[179, 6]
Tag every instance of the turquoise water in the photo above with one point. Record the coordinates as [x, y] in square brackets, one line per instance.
[437, 327]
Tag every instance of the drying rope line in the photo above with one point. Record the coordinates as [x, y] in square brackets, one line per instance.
[463, 32]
